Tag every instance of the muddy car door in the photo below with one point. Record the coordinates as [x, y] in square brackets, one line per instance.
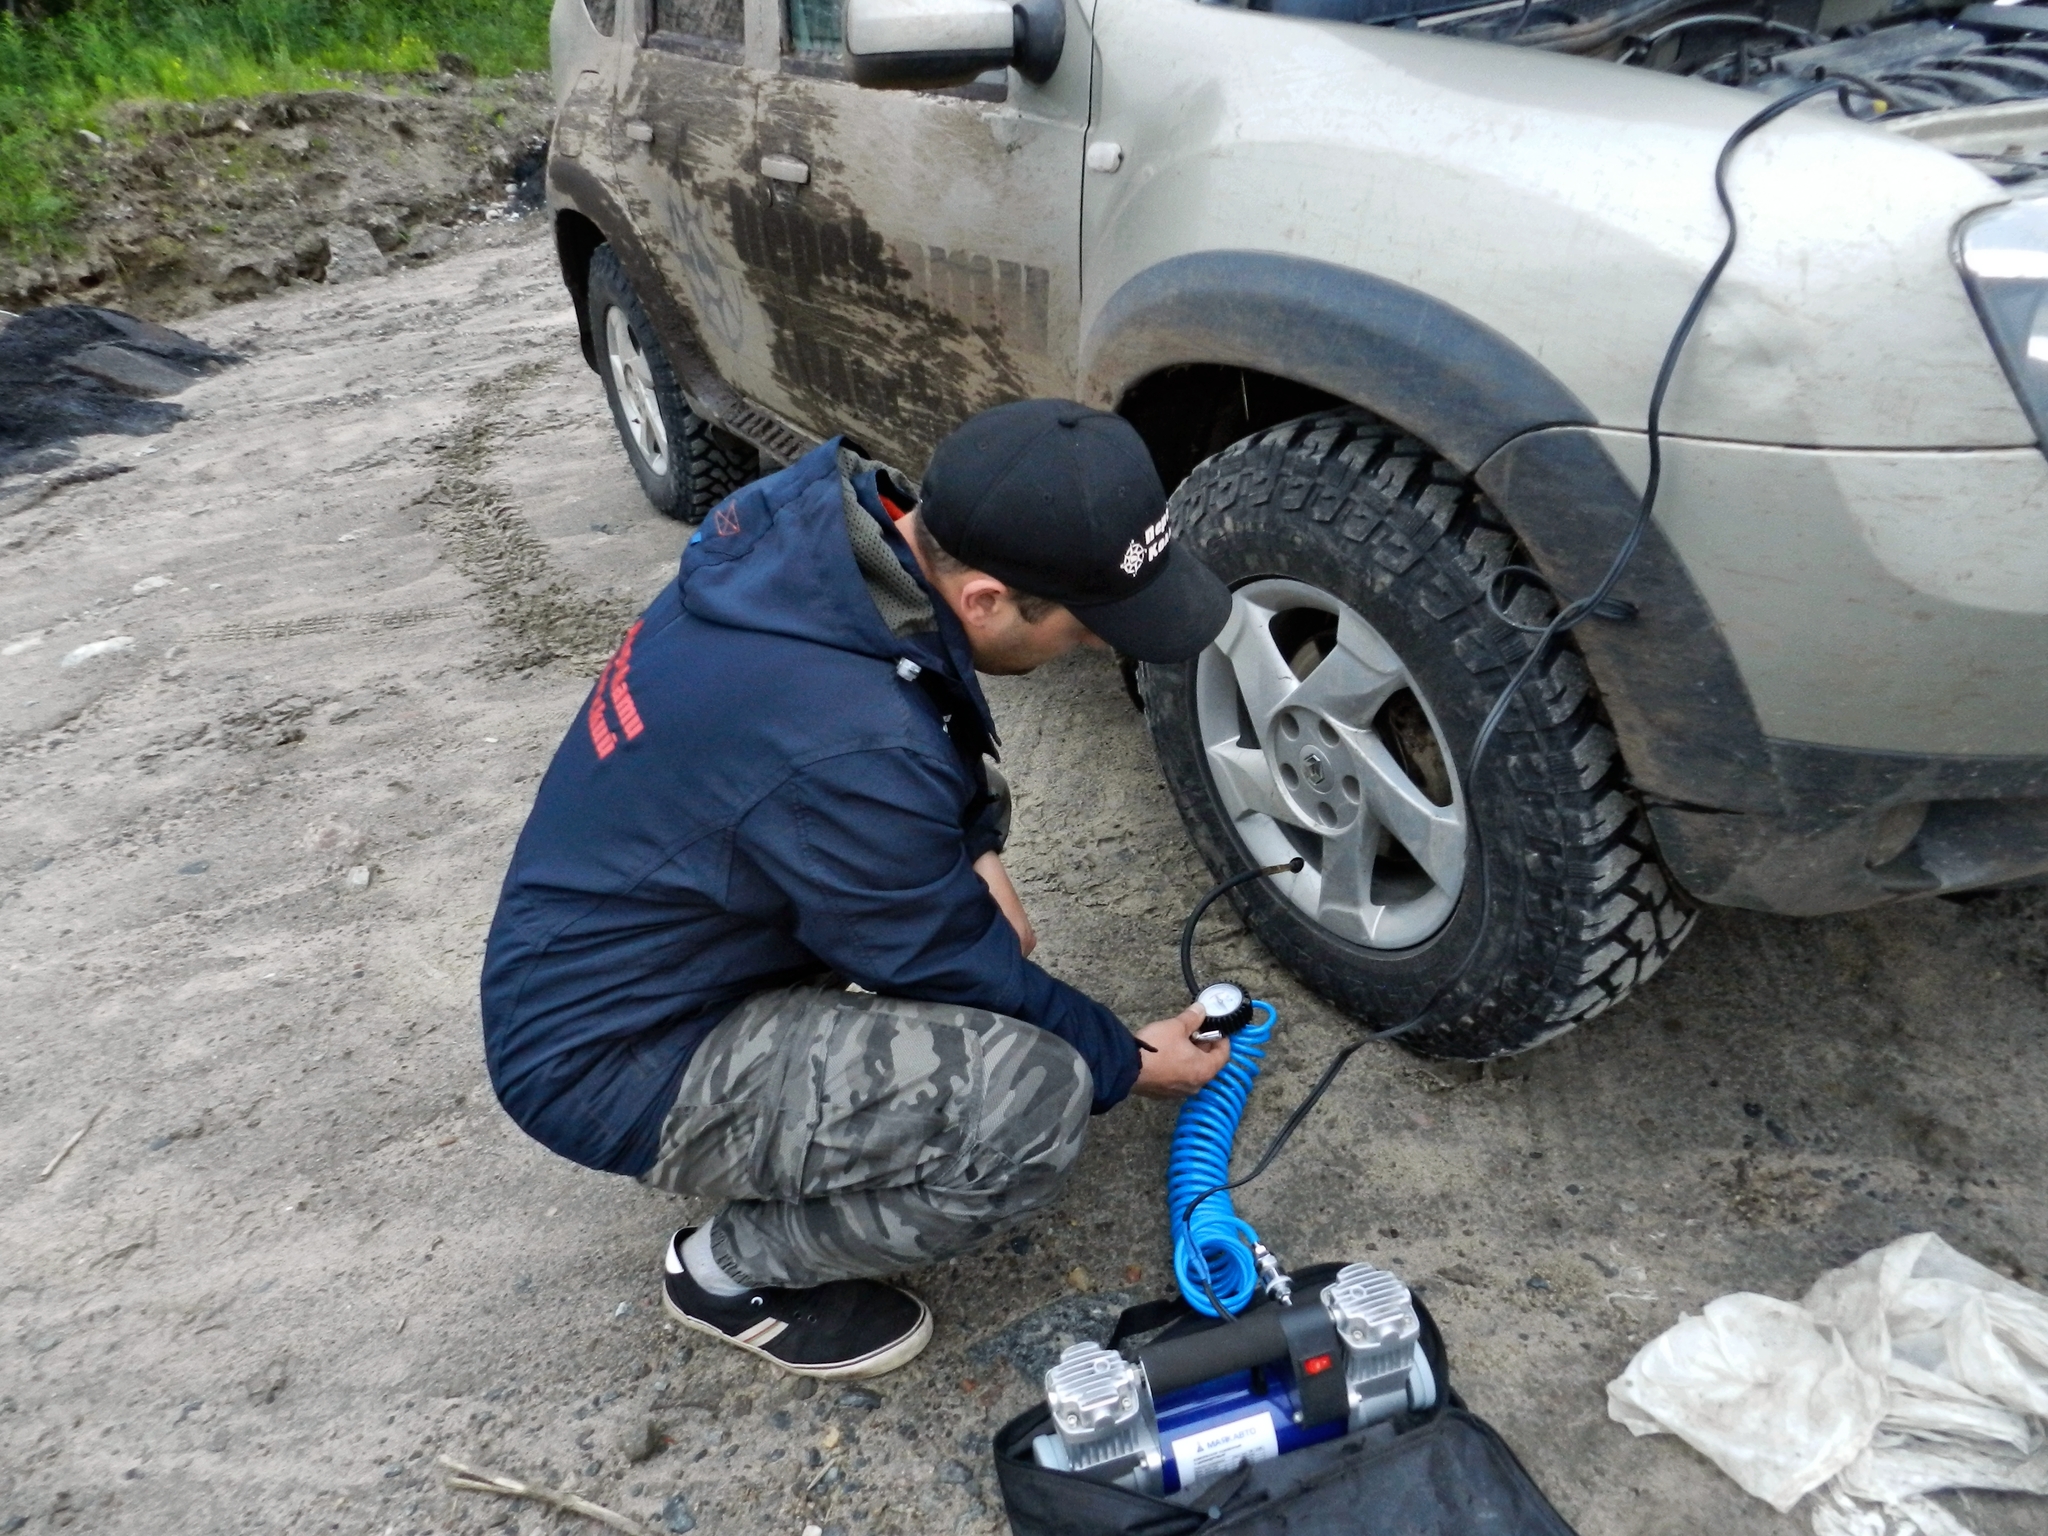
[583, 51]
[915, 253]
[682, 129]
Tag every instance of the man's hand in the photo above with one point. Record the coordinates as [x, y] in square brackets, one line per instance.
[997, 879]
[1178, 1065]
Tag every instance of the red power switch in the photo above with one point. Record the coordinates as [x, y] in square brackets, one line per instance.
[1315, 1365]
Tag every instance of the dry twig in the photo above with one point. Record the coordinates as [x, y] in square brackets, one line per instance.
[468, 1479]
[65, 1151]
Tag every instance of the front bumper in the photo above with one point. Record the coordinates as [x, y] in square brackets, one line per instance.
[1882, 600]
[1886, 614]
[1917, 838]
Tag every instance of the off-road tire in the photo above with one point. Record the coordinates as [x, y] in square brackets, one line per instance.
[1574, 909]
[705, 463]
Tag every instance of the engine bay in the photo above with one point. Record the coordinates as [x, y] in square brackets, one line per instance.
[1970, 78]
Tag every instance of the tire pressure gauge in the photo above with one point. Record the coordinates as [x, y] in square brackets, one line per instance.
[1224, 1005]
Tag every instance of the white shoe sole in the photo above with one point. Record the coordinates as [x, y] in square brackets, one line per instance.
[890, 1357]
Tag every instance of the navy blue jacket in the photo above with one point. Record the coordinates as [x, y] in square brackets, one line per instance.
[753, 794]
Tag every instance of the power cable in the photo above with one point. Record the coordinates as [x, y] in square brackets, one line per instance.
[1599, 602]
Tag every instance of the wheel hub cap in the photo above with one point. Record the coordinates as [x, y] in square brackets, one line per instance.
[1315, 771]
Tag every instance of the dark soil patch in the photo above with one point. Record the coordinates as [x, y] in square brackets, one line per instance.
[70, 371]
[2017, 924]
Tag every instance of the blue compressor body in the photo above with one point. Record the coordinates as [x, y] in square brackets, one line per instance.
[1239, 1417]
[1266, 1380]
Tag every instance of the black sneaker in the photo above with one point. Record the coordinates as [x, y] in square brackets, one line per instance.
[844, 1328]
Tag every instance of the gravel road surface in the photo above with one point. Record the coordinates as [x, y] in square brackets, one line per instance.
[274, 697]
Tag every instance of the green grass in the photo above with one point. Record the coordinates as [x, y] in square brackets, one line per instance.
[59, 74]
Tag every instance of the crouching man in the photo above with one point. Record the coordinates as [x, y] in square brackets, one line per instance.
[778, 786]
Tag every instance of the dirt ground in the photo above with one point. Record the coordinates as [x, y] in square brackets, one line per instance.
[187, 206]
[274, 702]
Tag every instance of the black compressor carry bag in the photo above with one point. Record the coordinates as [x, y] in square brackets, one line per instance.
[1439, 1472]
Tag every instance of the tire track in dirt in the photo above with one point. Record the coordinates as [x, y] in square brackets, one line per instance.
[321, 624]
[486, 537]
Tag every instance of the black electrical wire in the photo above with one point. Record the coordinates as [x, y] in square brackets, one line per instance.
[1571, 615]
[1600, 601]
[1640, 46]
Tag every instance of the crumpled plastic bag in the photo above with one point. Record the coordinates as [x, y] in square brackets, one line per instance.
[1912, 1370]
[1759, 1390]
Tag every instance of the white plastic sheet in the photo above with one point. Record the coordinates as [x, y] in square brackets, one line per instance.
[1913, 1370]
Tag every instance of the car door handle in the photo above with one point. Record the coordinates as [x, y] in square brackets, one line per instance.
[785, 168]
[640, 132]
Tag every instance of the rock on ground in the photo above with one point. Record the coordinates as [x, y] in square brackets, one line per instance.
[352, 253]
[245, 872]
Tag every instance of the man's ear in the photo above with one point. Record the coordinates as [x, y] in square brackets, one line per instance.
[981, 599]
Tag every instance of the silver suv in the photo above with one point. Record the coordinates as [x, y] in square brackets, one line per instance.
[1385, 285]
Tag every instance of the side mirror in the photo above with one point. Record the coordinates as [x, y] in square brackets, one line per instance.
[913, 45]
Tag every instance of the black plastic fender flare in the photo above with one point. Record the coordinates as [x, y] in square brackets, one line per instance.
[1686, 725]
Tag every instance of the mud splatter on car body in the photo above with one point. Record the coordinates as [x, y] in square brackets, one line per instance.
[837, 259]
[854, 334]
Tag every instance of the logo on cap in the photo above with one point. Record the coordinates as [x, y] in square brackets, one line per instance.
[1149, 546]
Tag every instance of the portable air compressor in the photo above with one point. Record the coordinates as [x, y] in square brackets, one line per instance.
[1272, 1381]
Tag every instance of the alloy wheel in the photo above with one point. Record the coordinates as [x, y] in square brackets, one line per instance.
[1321, 746]
[634, 381]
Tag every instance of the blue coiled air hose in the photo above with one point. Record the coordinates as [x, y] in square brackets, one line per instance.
[1214, 1257]
[1216, 1243]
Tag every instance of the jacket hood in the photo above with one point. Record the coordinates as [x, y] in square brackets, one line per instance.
[775, 558]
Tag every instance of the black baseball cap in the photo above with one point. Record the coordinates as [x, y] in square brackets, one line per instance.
[1063, 503]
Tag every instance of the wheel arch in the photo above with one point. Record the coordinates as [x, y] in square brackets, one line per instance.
[1430, 369]
[576, 241]
[1208, 342]
[587, 216]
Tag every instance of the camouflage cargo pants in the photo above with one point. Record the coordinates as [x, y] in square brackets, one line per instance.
[855, 1135]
